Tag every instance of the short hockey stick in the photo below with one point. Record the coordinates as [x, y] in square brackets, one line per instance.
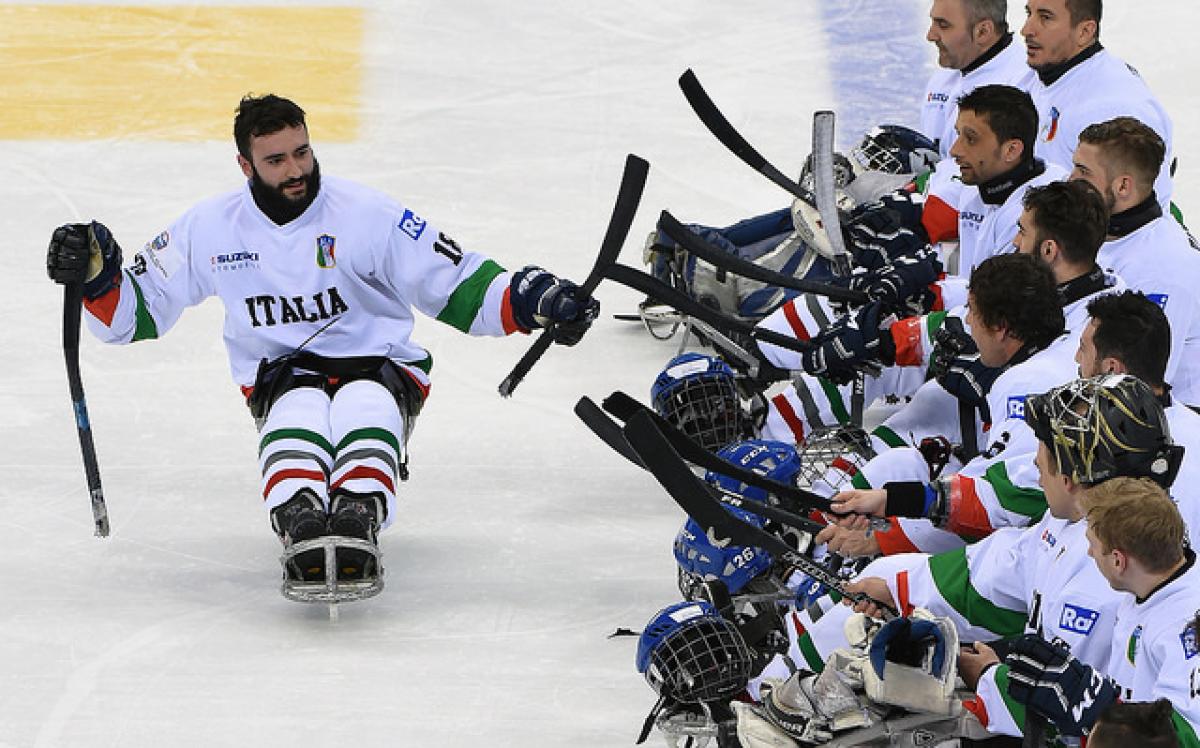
[697, 245]
[610, 432]
[633, 181]
[626, 408]
[656, 289]
[72, 319]
[722, 528]
[718, 125]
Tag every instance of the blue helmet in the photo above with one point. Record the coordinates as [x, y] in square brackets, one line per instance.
[690, 654]
[735, 565]
[698, 395]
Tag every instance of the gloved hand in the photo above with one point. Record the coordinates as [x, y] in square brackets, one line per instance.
[855, 342]
[970, 381]
[84, 253]
[1047, 679]
[541, 299]
[903, 283]
[876, 237]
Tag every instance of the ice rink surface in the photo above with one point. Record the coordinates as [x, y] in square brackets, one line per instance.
[523, 541]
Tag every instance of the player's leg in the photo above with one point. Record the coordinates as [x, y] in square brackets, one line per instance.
[295, 457]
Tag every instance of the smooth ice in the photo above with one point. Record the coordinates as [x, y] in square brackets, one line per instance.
[524, 542]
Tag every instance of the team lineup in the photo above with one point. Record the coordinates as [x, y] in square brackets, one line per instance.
[1004, 552]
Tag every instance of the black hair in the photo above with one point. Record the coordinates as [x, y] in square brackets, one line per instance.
[1134, 330]
[1018, 292]
[1073, 214]
[1146, 724]
[1009, 111]
[263, 115]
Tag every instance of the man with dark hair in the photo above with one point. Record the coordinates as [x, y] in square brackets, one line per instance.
[1146, 248]
[1144, 724]
[1129, 334]
[1137, 540]
[975, 48]
[1079, 83]
[319, 279]
[1016, 323]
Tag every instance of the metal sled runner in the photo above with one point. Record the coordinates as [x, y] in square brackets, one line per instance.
[331, 590]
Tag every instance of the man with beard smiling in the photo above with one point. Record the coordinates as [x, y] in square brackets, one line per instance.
[319, 279]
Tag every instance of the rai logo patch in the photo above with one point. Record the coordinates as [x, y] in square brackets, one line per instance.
[1077, 619]
[325, 250]
[412, 224]
[1159, 298]
[1016, 407]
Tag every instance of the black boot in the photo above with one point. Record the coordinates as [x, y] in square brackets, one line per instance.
[356, 515]
[301, 518]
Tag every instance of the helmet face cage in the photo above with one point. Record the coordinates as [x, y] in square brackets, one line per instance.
[1103, 427]
[895, 149]
[830, 457]
[698, 395]
[699, 659]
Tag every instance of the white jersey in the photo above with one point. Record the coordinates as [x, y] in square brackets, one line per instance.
[1158, 260]
[939, 112]
[1096, 90]
[1156, 650]
[985, 229]
[353, 266]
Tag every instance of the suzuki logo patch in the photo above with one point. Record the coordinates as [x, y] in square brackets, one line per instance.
[411, 224]
[1016, 407]
[1077, 619]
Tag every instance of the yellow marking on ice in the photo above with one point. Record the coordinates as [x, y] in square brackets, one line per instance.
[77, 72]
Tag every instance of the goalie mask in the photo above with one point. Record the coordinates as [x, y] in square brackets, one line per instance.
[689, 654]
[698, 395]
[894, 149]
[1107, 426]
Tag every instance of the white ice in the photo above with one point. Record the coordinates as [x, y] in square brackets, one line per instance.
[524, 541]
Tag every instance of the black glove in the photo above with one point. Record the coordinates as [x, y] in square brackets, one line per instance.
[853, 343]
[84, 253]
[902, 284]
[950, 342]
[1047, 679]
[876, 237]
[970, 381]
[541, 299]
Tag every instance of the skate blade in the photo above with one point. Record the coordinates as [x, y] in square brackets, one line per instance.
[331, 589]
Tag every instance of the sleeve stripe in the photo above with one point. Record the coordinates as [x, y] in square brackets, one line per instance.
[968, 517]
[952, 577]
[1030, 502]
[463, 305]
[789, 313]
[788, 414]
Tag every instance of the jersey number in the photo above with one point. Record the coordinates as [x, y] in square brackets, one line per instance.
[448, 247]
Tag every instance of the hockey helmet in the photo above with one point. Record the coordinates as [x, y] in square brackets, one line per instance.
[690, 654]
[698, 395]
[894, 149]
[1103, 427]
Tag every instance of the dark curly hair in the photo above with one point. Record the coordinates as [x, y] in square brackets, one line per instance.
[1018, 292]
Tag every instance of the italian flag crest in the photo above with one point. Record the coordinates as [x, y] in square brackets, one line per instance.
[325, 250]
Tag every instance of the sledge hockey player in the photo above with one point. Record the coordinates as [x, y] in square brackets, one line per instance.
[1038, 578]
[1061, 224]
[1079, 83]
[1149, 250]
[319, 277]
[1137, 541]
[975, 48]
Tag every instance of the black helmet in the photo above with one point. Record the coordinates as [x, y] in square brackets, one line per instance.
[1107, 426]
